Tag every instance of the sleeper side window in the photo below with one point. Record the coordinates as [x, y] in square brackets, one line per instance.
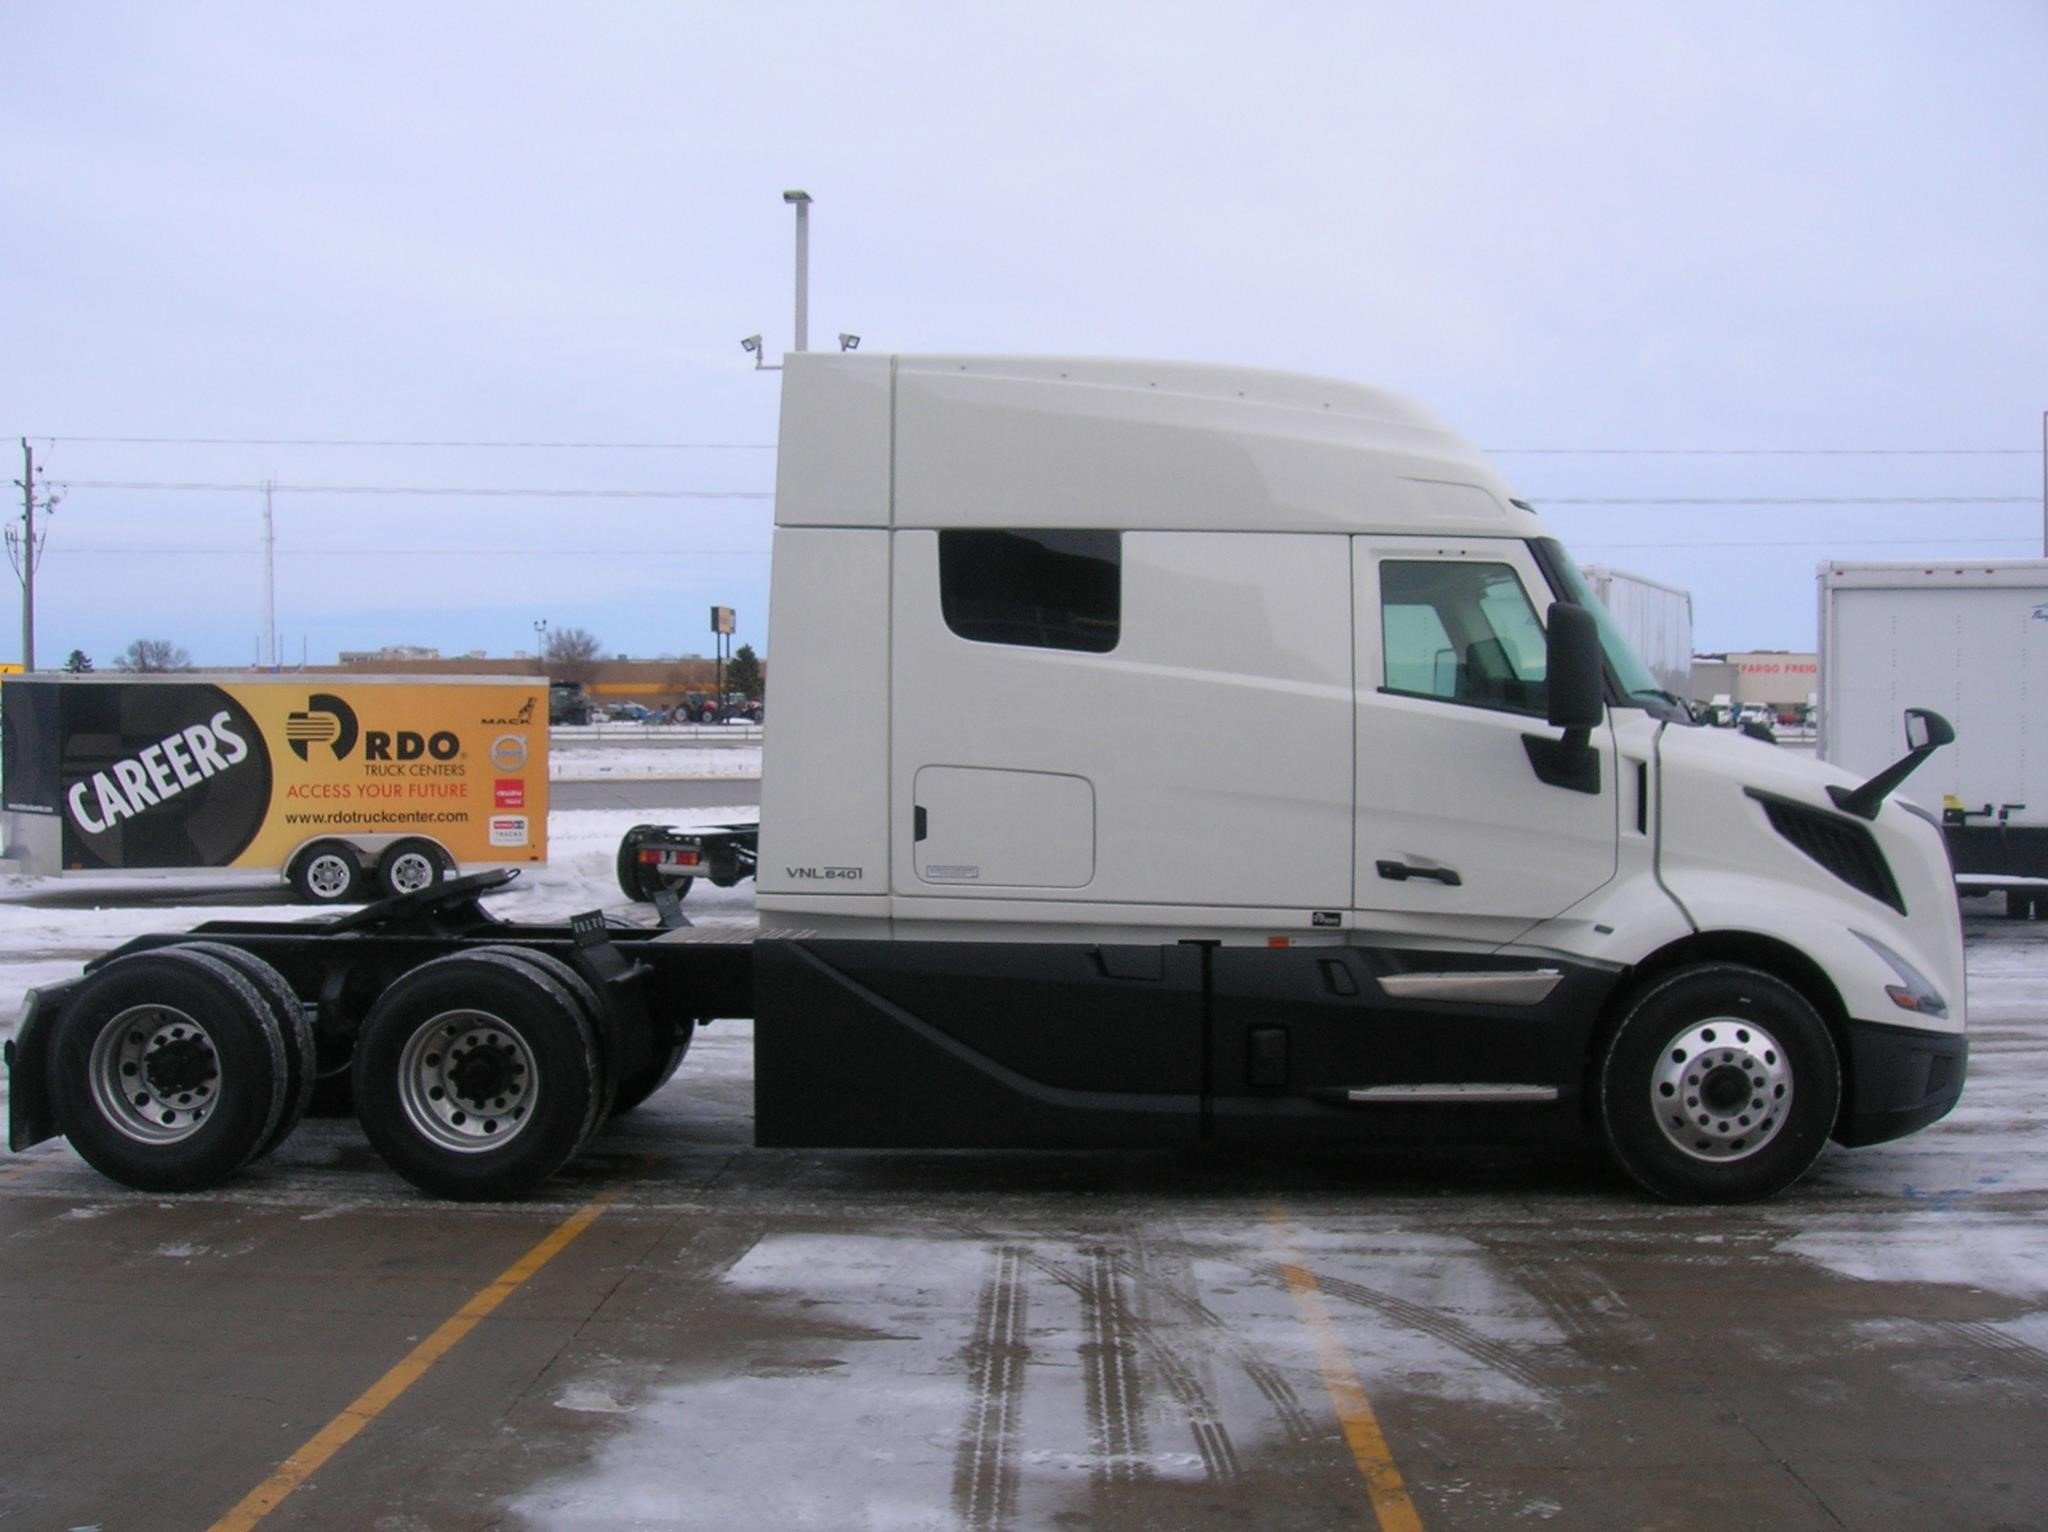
[1039, 589]
[1462, 631]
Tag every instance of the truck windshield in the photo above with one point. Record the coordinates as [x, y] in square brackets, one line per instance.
[1637, 683]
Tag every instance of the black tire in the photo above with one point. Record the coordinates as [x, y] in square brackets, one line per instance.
[593, 1011]
[167, 1070]
[477, 1076]
[327, 872]
[651, 1076]
[411, 865]
[300, 1059]
[1721, 1084]
[636, 881]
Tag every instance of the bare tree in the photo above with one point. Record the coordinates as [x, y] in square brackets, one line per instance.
[153, 654]
[571, 654]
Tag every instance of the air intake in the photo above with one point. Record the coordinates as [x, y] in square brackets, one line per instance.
[1842, 845]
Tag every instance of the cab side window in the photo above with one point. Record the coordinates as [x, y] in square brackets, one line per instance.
[1465, 632]
[1038, 589]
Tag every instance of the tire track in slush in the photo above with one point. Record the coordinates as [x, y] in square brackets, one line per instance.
[1497, 1355]
[985, 1468]
[1109, 1357]
[1212, 1439]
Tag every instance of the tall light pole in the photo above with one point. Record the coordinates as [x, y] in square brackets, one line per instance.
[540, 639]
[801, 201]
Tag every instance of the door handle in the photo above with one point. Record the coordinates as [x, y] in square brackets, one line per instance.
[1401, 872]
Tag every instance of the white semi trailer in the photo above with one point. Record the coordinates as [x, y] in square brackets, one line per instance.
[1163, 754]
[1655, 618]
[1971, 640]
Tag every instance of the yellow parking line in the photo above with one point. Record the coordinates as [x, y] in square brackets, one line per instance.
[340, 1431]
[1369, 1450]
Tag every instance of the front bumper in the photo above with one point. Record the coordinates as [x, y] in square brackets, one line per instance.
[1897, 1080]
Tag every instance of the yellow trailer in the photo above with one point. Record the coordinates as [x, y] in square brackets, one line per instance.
[348, 787]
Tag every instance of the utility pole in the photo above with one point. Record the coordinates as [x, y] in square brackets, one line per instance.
[269, 583]
[23, 549]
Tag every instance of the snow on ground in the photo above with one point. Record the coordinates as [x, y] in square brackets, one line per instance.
[608, 759]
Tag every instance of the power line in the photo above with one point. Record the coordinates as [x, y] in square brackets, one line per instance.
[1763, 451]
[501, 443]
[1795, 500]
[520, 493]
[426, 490]
[385, 550]
[1832, 542]
[361, 441]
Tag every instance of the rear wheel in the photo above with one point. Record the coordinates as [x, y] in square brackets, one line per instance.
[327, 872]
[411, 865]
[657, 1071]
[168, 1070]
[1721, 1084]
[300, 1058]
[477, 1075]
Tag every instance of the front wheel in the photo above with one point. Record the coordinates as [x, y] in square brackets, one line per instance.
[1721, 1084]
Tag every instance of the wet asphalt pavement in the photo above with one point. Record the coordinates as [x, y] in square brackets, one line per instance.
[688, 1331]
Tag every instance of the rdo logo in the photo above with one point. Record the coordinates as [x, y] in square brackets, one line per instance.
[329, 721]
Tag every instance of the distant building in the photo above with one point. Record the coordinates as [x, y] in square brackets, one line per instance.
[1776, 678]
[388, 652]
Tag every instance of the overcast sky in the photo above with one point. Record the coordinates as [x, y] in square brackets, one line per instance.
[1618, 226]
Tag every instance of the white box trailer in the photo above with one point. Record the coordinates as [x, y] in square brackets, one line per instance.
[1971, 642]
[1655, 618]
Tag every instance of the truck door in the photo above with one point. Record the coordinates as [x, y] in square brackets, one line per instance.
[1458, 831]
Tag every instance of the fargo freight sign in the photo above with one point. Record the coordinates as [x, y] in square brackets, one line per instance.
[173, 773]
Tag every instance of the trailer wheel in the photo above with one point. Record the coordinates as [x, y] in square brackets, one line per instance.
[477, 1076]
[410, 865]
[301, 1059]
[168, 1070]
[326, 872]
[651, 1077]
[1721, 1084]
[637, 881]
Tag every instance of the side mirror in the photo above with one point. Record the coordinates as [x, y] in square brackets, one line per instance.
[1926, 730]
[1575, 668]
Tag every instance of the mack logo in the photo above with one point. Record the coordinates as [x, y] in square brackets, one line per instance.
[329, 721]
[821, 874]
[157, 773]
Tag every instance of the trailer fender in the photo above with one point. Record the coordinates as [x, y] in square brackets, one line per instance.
[31, 1119]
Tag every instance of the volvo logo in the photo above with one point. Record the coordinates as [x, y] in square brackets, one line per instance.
[508, 752]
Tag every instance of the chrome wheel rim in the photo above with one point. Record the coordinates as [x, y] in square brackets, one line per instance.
[467, 1082]
[155, 1074]
[1721, 1090]
[412, 872]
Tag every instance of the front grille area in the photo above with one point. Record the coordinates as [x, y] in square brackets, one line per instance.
[1842, 845]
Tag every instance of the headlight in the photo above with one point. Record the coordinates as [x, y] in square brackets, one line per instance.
[1914, 992]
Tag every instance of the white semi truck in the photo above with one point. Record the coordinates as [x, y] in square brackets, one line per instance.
[1972, 640]
[1163, 754]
